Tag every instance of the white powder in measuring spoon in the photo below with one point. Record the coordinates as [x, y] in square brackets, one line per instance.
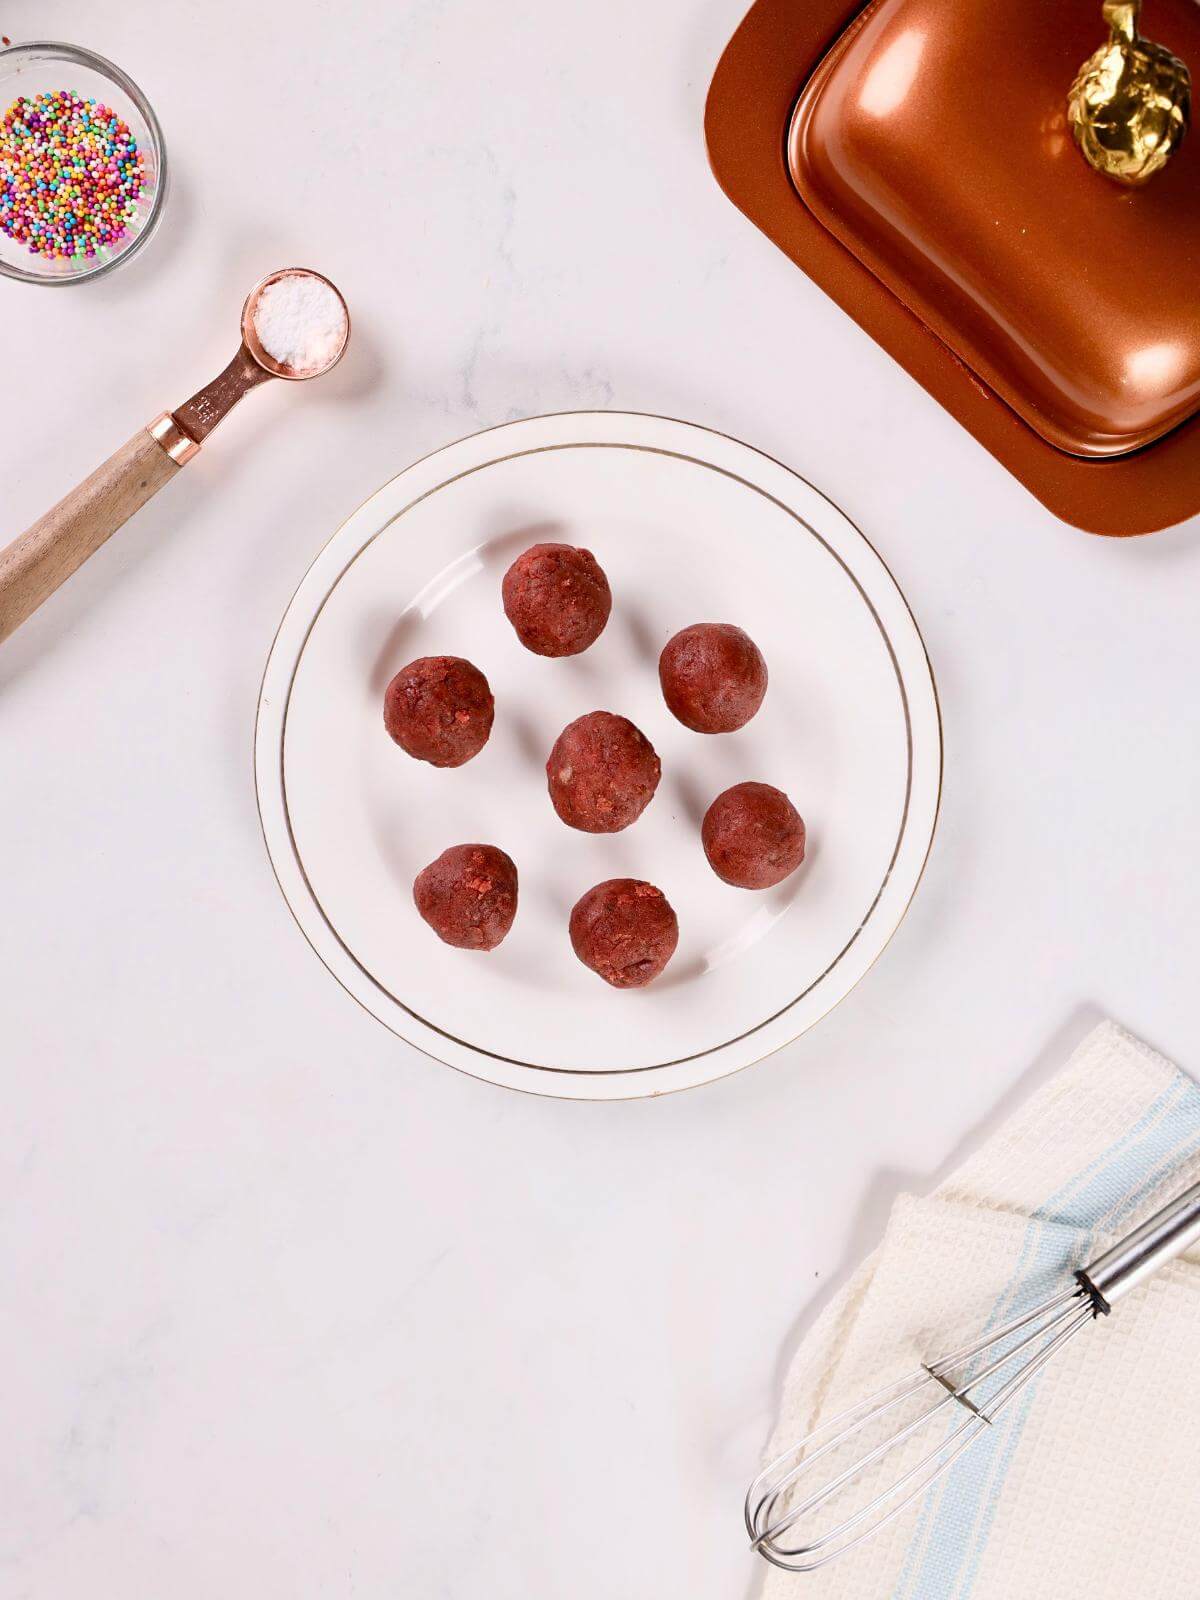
[300, 322]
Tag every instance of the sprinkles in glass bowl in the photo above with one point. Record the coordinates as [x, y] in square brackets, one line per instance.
[83, 167]
[71, 174]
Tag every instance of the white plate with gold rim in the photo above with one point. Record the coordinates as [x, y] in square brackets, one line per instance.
[689, 526]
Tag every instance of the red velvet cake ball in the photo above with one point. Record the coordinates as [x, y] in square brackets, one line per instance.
[713, 677]
[625, 931]
[602, 773]
[440, 710]
[557, 598]
[753, 836]
[468, 896]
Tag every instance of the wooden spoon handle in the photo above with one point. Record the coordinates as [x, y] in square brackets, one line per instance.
[46, 554]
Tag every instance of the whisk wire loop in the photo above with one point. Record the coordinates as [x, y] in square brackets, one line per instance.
[960, 1380]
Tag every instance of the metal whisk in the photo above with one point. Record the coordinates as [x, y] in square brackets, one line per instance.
[967, 1390]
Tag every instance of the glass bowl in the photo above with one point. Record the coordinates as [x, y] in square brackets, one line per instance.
[41, 67]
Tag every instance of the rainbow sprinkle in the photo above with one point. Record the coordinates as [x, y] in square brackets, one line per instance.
[70, 175]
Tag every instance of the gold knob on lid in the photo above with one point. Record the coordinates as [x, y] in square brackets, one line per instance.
[1129, 105]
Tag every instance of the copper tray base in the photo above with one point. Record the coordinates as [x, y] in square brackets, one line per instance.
[750, 104]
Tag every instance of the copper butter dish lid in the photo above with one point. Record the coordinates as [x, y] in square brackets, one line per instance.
[917, 158]
[1078, 301]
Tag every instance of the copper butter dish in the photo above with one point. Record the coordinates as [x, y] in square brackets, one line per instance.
[915, 158]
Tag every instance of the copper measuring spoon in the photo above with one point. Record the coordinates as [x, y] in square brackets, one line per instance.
[47, 553]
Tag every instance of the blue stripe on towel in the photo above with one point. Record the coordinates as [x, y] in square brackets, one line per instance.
[956, 1519]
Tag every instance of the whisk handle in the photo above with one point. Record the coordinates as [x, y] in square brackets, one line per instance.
[1167, 1234]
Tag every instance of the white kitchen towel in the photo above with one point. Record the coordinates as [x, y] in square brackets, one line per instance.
[1089, 1484]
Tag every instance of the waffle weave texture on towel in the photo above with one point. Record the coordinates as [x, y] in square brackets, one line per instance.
[1089, 1484]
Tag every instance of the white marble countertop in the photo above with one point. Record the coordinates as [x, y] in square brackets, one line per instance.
[290, 1310]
